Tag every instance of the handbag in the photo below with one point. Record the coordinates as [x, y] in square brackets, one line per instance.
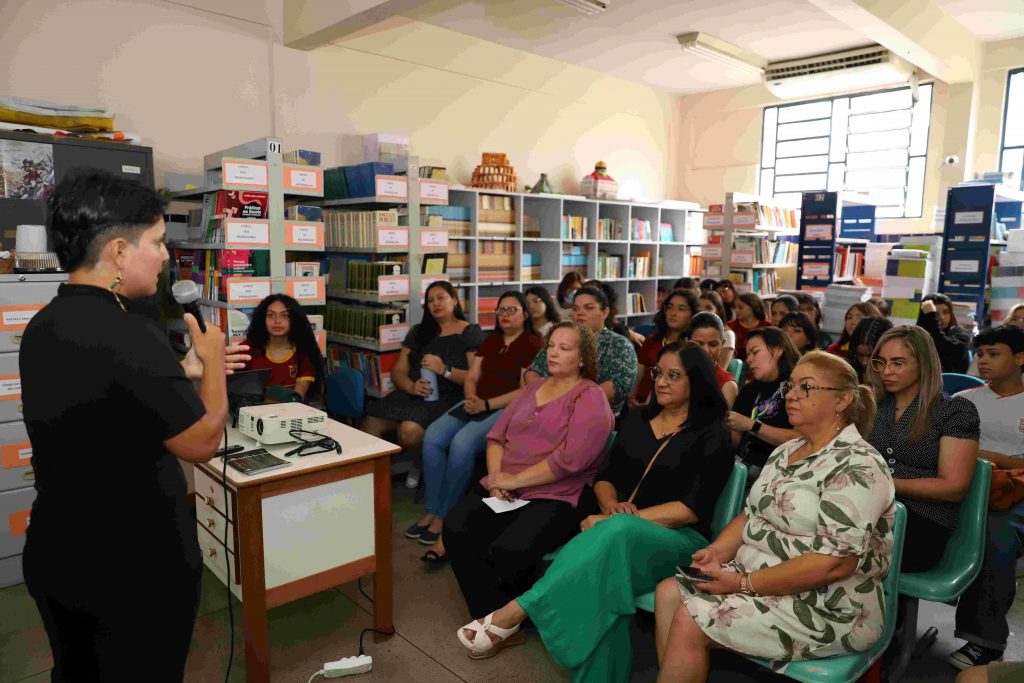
[1006, 489]
[651, 464]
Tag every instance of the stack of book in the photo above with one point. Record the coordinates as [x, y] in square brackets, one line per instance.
[360, 322]
[298, 212]
[837, 299]
[227, 204]
[496, 261]
[574, 227]
[485, 311]
[696, 265]
[531, 266]
[302, 269]
[636, 303]
[459, 265]
[209, 268]
[574, 258]
[640, 265]
[376, 367]
[456, 219]
[757, 214]
[531, 226]
[362, 275]
[1008, 278]
[761, 282]
[357, 229]
[640, 230]
[608, 267]
[496, 216]
[609, 229]
[848, 264]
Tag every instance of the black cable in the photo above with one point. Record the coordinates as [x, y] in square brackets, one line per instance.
[321, 444]
[227, 558]
[359, 582]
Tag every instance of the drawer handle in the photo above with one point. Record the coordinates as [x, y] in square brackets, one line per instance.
[211, 522]
[29, 475]
[213, 552]
[209, 501]
[16, 338]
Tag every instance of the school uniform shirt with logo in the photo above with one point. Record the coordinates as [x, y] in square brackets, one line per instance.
[1002, 420]
[284, 372]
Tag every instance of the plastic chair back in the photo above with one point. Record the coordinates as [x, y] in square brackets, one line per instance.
[735, 368]
[952, 382]
[645, 329]
[346, 393]
[731, 501]
[961, 561]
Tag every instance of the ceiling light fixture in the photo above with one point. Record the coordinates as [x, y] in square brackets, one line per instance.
[709, 47]
[590, 7]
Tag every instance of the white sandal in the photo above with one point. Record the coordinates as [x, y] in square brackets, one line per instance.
[482, 646]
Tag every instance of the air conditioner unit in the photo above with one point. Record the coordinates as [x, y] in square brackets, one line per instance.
[867, 67]
[588, 6]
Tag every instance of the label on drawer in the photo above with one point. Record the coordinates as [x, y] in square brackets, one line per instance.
[393, 286]
[17, 317]
[434, 191]
[306, 289]
[434, 238]
[303, 234]
[247, 173]
[10, 387]
[243, 233]
[392, 334]
[245, 290]
[392, 237]
[16, 454]
[303, 179]
[19, 522]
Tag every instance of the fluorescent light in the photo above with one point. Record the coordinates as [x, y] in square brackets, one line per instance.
[587, 6]
[721, 52]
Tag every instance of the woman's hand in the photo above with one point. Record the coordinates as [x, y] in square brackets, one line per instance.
[928, 306]
[501, 480]
[422, 388]
[501, 494]
[473, 405]
[726, 581]
[622, 509]
[737, 422]
[590, 521]
[433, 363]
[708, 557]
[637, 338]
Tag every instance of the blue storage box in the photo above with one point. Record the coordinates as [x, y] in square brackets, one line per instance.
[360, 178]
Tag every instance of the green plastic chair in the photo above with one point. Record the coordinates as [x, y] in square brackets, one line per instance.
[959, 566]
[728, 506]
[735, 368]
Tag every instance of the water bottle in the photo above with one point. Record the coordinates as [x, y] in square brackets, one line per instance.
[431, 377]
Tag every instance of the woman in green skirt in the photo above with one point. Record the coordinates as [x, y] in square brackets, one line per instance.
[656, 496]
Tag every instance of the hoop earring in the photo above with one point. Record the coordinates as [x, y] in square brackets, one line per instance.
[113, 290]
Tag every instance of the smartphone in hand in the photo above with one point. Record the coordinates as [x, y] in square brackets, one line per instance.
[694, 574]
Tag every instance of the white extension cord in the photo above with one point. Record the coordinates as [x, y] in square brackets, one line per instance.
[346, 666]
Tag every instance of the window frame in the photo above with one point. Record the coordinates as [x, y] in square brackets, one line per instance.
[1002, 129]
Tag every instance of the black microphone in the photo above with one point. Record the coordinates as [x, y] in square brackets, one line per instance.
[186, 293]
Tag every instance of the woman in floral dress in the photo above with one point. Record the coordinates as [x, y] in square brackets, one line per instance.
[798, 574]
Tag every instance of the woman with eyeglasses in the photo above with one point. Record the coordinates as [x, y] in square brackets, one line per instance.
[758, 420]
[453, 441]
[798, 574]
[952, 341]
[657, 495]
[928, 439]
[749, 316]
[854, 314]
[281, 339]
[670, 325]
[712, 303]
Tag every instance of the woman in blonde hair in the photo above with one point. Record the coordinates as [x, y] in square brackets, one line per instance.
[928, 440]
[797, 575]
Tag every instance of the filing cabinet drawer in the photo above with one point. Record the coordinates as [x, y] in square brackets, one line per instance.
[212, 493]
[213, 521]
[215, 556]
[15, 457]
[10, 388]
[15, 507]
[19, 301]
[10, 571]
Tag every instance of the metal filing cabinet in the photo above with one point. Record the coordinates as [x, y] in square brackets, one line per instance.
[21, 296]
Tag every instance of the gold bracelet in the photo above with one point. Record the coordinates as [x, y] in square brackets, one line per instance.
[750, 585]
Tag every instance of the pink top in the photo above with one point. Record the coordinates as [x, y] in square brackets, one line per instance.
[569, 432]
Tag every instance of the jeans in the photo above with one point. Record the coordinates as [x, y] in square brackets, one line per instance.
[981, 610]
[450, 447]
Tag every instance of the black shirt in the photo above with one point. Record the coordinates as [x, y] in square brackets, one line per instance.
[102, 390]
[956, 417]
[952, 343]
[771, 410]
[692, 469]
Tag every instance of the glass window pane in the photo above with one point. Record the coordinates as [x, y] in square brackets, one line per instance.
[1013, 161]
[887, 159]
[915, 188]
[836, 173]
[869, 142]
[1013, 127]
[863, 180]
[840, 115]
[803, 112]
[888, 120]
[789, 198]
[802, 165]
[768, 137]
[800, 183]
[887, 197]
[766, 188]
[802, 148]
[882, 101]
[889, 211]
[922, 122]
[805, 129]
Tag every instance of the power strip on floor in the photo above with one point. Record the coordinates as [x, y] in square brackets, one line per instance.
[348, 666]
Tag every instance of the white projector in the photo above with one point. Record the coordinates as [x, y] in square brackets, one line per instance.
[270, 424]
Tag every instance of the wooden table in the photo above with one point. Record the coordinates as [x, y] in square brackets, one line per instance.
[322, 522]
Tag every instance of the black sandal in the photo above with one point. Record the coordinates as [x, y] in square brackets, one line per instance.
[432, 558]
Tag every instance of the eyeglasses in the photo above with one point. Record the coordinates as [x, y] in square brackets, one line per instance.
[805, 387]
[321, 444]
[672, 376]
[881, 366]
[507, 310]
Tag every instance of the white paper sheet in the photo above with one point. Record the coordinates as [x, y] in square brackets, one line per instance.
[499, 505]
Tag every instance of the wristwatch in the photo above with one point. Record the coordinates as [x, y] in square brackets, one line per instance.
[447, 372]
[756, 427]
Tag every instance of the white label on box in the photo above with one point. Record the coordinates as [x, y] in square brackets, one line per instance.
[970, 266]
[816, 269]
[434, 238]
[25, 453]
[244, 232]
[434, 191]
[10, 387]
[393, 286]
[819, 232]
[713, 251]
[394, 188]
[392, 237]
[17, 318]
[744, 219]
[134, 170]
[303, 179]
[306, 290]
[743, 258]
[714, 219]
[304, 234]
[393, 334]
[240, 173]
[968, 217]
[243, 290]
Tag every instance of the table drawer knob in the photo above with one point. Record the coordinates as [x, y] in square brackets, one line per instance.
[213, 552]
[211, 522]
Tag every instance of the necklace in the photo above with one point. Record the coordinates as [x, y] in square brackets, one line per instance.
[661, 432]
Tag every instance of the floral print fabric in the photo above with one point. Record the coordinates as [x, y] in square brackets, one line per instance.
[839, 501]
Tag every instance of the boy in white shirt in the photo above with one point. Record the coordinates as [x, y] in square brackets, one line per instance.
[981, 611]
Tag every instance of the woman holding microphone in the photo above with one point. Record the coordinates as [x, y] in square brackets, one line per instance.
[109, 410]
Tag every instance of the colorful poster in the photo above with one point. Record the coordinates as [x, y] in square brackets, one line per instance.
[27, 169]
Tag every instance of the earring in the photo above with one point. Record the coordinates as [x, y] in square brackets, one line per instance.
[113, 290]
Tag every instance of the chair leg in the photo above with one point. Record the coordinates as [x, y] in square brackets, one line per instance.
[900, 651]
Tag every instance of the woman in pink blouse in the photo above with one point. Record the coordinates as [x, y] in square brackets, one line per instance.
[544, 448]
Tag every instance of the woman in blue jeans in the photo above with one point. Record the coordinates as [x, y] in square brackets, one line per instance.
[452, 441]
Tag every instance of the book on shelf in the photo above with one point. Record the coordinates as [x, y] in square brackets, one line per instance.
[299, 212]
[496, 216]
[230, 204]
[637, 305]
[301, 157]
[531, 226]
[486, 307]
[848, 264]
[357, 229]
[696, 265]
[531, 266]
[761, 282]
[759, 214]
[640, 230]
[362, 276]
[574, 258]
[574, 227]
[754, 250]
[496, 261]
[610, 229]
[456, 219]
[608, 266]
[209, 268]
[302, 269]
[640, 265]
[666, 233]
[360, 322]
[376, 367]
[459, 261]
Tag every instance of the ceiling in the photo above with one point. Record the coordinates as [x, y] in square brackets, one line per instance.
[635, 39]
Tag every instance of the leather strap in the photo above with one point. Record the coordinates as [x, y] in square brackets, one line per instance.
[649, 465]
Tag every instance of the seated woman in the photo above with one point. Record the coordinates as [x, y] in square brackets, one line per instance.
[544, 449]
[707, 332]
[952, 341]
[749, 316]
[727, 291]
[670, 324]
[798, 574]
[616, 360]
[541, 310]
[612, 321]
[809, 306]
[444, 343]
[781, 306]
[862, 344]
[758, 419]
[712, 303]
[657, 495]
[281, 339]
[929, 440]
[801, 331]
[567, 291]
[452, 441]
[854, 314]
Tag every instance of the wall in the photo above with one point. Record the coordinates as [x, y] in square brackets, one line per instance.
[192, 81]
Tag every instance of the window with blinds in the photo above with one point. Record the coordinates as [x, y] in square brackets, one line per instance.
[875, 144]
[1011, 151]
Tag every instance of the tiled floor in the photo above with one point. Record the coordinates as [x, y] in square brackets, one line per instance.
[428, 609]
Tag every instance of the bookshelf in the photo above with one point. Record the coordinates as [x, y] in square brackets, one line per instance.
[637, 246]
[835, 229]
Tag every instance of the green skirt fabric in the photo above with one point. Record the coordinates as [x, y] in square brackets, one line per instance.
[582, 605]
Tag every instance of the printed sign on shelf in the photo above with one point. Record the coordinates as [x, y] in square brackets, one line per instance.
[817, 269]
[304, 234]
[434, 191]
[968, 217]
[434, 239]
[17, 454]
[16, 317]
[246, 234]
[242, 290]
[742, 258]
[818, 232]
[10, 387]
[303, 179]
[714, 220]
[19, 522]
[712, 251]
[251, 174]
[392, 335]
[966, 266]
[391, 187]
[744, 219]
[392, 237]
[393, 286]
[306, 289]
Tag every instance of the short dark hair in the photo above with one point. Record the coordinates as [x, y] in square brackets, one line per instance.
[1011, 335]
[608, 298]
[705, 319]
[804, 322]
[789, 301]
[685, 282]
[708, 284]
[706, 401]
[91, 207]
